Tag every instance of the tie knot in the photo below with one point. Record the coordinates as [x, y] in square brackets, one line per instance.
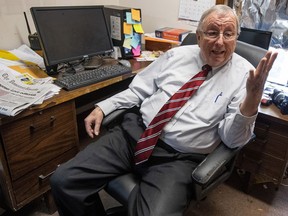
[207, 68]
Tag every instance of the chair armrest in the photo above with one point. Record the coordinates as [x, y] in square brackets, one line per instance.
[112, 117]
[214, 163]
[116, 116]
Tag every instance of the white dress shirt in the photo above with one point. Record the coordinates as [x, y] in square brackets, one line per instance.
[210, 115]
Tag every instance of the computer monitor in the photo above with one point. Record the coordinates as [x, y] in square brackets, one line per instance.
[256, 37]
[71, 33]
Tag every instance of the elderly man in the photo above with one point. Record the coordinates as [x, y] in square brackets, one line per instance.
[185, 114]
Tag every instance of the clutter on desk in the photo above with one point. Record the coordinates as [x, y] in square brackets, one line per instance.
[280, 99]
[266, 100]
[149, 55]
[279, 72]
[276, 94]
[23, 83]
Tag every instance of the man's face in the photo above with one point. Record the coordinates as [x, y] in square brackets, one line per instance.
[216, 49]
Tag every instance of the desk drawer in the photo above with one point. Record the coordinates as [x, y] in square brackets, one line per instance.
[273, 144]
[270, 126]
[35, 140]
[32, 185]
[260, 163]
[261, 130]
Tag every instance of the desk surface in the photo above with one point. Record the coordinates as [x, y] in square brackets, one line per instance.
[273, 112]
[64, 95]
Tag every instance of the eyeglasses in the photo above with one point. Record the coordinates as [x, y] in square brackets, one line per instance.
[227, 35]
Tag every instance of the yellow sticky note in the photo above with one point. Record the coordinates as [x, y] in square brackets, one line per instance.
[127, 28]
[138, 28]
[136, 14]
[127, 43]
[7, 55]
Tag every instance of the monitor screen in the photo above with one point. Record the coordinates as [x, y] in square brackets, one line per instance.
[256, 37]
[69, 33]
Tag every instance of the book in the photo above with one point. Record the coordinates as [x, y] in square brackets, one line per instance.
[170, 33]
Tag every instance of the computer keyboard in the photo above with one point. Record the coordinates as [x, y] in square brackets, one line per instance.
[88, 77]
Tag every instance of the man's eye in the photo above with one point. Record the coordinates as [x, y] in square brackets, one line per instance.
[228, 34]
[212, 33]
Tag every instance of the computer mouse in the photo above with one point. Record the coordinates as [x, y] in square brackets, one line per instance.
[124, 62]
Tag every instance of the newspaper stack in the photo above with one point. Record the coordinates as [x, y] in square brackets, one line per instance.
[22, 81]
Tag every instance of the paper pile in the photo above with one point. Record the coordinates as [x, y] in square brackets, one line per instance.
[23, 83]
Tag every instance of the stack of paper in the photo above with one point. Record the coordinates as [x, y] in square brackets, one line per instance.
[278, 73]
[23, 83]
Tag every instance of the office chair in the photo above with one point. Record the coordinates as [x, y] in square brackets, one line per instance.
[212, 171]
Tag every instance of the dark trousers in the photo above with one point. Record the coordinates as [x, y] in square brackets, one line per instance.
[165, 187]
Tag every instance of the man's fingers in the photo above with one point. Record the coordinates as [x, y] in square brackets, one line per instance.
[271, 61]
[266, 63]
[97, 127]
[89, 128]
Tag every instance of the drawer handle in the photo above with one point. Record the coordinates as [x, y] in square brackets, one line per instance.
[34, 127]
[44, 177]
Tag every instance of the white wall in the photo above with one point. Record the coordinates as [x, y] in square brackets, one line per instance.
[158, 13]
[13, 30]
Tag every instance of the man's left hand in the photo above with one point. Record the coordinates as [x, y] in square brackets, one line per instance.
[255, 84]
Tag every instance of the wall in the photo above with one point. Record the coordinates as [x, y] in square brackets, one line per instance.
[158, 13]
[155, 14]
[13, 30]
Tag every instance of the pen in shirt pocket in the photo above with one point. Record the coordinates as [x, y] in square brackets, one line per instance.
[217, 97]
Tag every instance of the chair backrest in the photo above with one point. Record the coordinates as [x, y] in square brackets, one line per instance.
[250, 52]
[190, 39]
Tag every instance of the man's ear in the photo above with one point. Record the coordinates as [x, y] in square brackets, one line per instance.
[198, 36]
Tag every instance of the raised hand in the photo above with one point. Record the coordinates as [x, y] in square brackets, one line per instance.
[255, 84]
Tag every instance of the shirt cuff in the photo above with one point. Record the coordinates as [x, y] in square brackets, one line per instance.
[106, 106]
[245, 119]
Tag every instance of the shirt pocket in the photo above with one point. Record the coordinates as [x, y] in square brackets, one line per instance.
[212, 108]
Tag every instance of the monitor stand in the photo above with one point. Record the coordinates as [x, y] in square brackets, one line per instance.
[94, 62]
[51, 69]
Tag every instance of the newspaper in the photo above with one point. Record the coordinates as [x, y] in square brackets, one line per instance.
[23, 82]
[16, 95]
[23, 54]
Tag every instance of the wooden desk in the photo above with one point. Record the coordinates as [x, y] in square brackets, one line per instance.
[265, 160]
[40, 138]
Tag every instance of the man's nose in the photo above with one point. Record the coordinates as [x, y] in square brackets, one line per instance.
[220, 38]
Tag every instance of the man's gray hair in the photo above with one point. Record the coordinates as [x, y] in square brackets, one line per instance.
[220, 9]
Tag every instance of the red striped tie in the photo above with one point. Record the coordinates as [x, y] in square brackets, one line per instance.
[148, 139]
